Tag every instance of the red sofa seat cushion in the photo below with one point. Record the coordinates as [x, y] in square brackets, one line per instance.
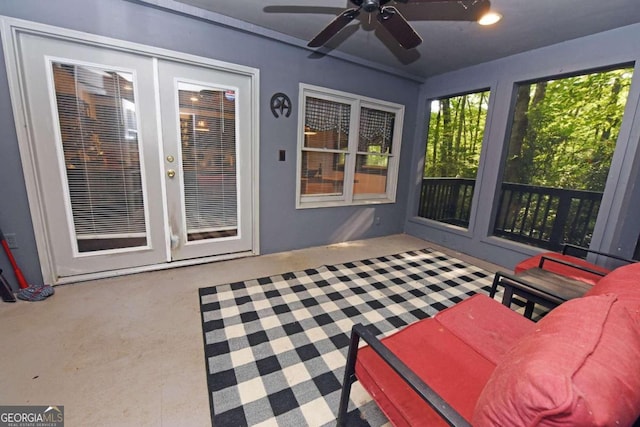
[580, 366]
[442, 358]
[562, 269]
[486, 326]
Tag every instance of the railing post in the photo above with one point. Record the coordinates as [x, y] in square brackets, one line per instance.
[452, 203]
[560, 221]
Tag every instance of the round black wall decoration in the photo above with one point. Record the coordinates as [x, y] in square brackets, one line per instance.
[280, 105]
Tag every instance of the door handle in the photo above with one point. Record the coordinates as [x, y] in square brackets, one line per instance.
[175, 241]
[171, 173]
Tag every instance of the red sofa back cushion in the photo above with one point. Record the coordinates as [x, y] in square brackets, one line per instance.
[580, 366]
[623, 282]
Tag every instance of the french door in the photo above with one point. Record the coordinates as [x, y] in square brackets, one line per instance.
[139, 161]
[208, 199]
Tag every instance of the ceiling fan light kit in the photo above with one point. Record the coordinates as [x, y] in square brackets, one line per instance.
[489, 18]
[392, 20]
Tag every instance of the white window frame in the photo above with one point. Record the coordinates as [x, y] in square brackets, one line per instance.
[347, 198]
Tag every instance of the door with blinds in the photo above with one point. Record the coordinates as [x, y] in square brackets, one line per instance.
[206, 127]
[137, 159]
[91, 115]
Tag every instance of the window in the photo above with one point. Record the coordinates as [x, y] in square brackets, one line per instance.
[349, 149]
[563, 135]
[454, 143]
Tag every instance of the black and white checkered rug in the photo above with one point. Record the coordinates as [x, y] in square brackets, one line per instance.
[276, 347]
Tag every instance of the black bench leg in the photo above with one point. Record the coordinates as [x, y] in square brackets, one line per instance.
[528, 310]
[507, 297]
[349, 379]
[494, 286]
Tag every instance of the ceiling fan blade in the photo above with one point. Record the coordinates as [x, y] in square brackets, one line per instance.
[399, 28]
[334, 27]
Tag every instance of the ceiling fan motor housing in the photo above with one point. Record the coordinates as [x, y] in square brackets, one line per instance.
[370, 5]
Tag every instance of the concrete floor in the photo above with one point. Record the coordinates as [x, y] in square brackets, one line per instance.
[128, 351]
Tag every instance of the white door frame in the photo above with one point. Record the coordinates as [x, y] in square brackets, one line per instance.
[10, 28]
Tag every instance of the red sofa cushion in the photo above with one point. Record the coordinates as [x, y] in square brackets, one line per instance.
[624, 282]
[488, 327]
[562, 269]
[580, 366]
[442, 358]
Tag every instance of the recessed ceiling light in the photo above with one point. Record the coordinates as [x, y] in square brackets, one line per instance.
[489, 18]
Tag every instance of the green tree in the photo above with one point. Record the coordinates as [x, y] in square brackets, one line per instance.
[564, 131]
[456, 130]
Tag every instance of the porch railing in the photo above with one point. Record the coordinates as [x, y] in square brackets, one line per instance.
[447, 200]
[545, 217]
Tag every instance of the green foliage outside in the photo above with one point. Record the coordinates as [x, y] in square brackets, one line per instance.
[563, 132]
[454, 141]
[380, 161]
[563, 135]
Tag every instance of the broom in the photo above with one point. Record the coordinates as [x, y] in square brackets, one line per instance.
[27, 292]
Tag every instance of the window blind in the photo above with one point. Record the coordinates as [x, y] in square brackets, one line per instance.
[328, 122]
[376, 129]
[208, 126]
[100, 146]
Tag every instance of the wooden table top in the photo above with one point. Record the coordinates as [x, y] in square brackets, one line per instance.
[546, 281]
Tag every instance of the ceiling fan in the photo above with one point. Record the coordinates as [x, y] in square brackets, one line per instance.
[392, 20]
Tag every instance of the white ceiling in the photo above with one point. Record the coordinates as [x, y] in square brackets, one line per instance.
[448, 45]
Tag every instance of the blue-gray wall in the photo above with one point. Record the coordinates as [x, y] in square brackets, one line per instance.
[618, 220]
[282, 67]
[14, 207]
